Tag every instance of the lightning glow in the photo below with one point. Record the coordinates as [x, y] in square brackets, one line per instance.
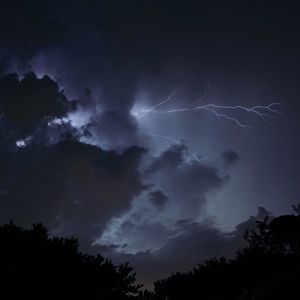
[220, 111]
[191, 154]
[152, 108]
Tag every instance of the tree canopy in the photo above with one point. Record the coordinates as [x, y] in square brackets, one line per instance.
[267, 268]
[37, 266]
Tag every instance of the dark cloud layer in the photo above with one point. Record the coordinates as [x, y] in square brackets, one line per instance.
[27, 27]
[115, 129]
[174, 204]
[183, 180]
[48, 175]
[74, 188]
[196, 243]
[158, 198]
[230, 157]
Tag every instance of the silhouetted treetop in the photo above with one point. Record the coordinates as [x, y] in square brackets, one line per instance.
[267, 268]
[31, 101]
[36, 266]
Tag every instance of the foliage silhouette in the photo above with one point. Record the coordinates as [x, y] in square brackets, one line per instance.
[267, 268]
[36, 266]
[29, 103]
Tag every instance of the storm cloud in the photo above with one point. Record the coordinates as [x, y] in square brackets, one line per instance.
[193, 243]
[176, 198]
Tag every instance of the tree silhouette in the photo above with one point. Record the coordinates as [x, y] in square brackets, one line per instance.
[267, 268]
[30, 102]
[36, 266]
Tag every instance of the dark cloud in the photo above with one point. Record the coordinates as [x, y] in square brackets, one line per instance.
[117, 48]
[230, 157]
[185, 181]
[120, 45]
[26, 29]
[173, 207]
[185, 225]
[70, 186]
[115, 129]
[157, 198]
[194, 243]
[170, 158]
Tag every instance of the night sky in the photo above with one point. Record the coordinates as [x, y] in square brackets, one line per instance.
[154, 131]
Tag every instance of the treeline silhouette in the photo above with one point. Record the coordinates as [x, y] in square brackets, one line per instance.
[267, 268]
[34, 265]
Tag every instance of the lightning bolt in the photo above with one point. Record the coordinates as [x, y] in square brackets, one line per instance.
[222, 112]
[152, 108]
[191, 154]
[205, 94]
[218, 110]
